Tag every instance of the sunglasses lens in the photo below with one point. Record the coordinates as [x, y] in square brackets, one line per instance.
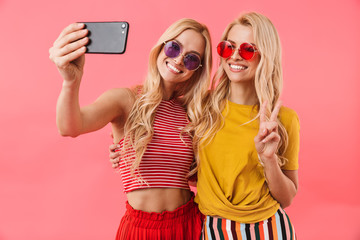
[246, 51]
[224, 49]
[172, 49]
[191, 61]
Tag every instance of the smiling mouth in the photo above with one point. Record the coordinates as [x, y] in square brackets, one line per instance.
[237, 67]
[173, 68]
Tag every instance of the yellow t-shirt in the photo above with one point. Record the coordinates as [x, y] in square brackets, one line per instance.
[231, 182]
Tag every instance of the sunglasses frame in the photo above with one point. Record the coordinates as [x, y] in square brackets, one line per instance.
[180, 53]
[239, 49]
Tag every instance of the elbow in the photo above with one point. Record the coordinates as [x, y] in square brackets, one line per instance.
[67, 129]
[287, 203]
[67, 132]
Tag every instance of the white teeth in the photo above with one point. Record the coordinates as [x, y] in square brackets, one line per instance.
[173, 68]
[237, 67]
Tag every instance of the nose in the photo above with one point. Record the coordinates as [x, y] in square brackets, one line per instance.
[179, 59]
[236, 55]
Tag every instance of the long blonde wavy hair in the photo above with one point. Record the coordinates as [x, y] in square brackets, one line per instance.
[139, 126]
[268, 82]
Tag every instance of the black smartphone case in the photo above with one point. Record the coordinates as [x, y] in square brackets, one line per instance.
[107, 37]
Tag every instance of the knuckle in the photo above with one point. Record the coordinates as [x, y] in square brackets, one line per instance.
[70, 27]
[67, 38]
[61, 63]
[67, 48]
[56, 61]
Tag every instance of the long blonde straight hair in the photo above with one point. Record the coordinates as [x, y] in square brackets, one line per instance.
[139, 126]
[268, 81]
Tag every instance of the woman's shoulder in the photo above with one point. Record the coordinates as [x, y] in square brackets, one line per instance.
[123, 97]
[121, 93]
[288, 116]
[286, 111]
[137, 90]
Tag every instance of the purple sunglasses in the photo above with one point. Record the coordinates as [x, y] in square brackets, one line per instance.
[191, 61]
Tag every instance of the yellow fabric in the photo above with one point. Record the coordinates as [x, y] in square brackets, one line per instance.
[231, 182]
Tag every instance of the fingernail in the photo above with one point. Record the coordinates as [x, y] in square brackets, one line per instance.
[80, 24]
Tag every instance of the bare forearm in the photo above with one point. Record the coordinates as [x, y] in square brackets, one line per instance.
[282, 188]
[68, 115]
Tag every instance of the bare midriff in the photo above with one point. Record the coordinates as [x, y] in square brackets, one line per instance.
[158, 199]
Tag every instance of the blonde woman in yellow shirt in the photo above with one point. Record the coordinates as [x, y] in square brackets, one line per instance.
[247, 159]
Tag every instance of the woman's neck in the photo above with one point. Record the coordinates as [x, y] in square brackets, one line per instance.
[168, 91]
[243, 93]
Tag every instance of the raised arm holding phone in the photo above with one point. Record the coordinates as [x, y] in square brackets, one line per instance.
[152, 123]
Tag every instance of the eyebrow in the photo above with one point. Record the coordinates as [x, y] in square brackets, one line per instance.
[182, 46]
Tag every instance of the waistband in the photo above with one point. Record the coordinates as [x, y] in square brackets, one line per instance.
[184, 210]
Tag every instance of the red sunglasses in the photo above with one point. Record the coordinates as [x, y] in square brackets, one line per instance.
[246, 50]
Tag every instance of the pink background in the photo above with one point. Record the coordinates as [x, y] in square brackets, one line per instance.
[53, 187]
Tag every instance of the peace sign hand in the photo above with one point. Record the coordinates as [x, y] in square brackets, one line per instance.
[268, 138]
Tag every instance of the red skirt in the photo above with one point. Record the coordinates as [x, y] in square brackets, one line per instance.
[184, 223]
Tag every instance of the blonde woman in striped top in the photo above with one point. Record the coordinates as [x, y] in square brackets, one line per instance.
[153, 124]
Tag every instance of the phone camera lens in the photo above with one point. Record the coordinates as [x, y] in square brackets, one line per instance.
[123, 25]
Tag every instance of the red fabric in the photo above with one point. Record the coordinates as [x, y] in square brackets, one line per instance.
[185, 223]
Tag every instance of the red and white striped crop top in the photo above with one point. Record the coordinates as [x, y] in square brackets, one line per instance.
[167, 159]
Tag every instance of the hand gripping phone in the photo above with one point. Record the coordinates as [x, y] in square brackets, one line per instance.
[107, 37]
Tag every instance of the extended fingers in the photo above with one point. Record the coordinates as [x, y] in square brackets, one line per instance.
[275, 112]
[262, 112]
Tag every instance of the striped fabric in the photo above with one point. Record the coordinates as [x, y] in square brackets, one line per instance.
[278, 227]
[167, 160]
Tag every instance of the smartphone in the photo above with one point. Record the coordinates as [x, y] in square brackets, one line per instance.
[107, 37]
